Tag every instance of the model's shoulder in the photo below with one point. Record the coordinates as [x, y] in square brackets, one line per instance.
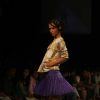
[59, 39]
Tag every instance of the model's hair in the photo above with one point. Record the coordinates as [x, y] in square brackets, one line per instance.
[57, 23]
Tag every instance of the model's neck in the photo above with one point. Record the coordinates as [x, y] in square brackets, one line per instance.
[57, 36]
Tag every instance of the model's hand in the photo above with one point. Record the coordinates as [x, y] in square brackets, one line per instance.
[54, 62]
[48, 63]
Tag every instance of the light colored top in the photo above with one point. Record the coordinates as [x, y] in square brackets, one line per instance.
[56, 49]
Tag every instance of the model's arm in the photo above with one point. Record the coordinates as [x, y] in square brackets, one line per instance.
[63, 55]
[55, 61]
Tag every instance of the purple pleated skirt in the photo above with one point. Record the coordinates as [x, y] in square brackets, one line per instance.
[53, 84]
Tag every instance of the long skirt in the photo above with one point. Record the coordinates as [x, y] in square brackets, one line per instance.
[53, 84]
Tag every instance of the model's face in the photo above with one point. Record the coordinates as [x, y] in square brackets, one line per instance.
[53, 29]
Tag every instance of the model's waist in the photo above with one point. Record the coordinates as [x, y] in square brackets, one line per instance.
[45, 69]
[54, 67]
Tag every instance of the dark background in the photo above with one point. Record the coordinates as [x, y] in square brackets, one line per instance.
[26, 18]
[76, 14]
